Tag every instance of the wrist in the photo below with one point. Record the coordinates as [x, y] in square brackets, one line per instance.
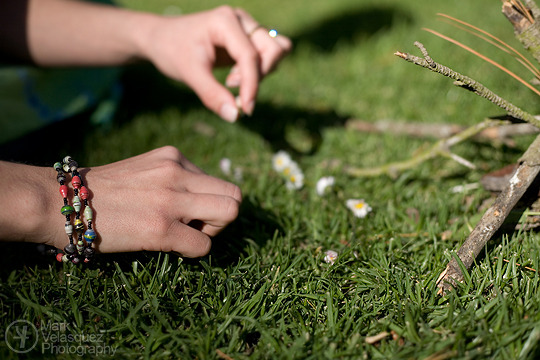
[138, 34]
[27, 204]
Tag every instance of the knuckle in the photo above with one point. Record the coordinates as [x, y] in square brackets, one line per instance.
[225, 11]
[170, 152]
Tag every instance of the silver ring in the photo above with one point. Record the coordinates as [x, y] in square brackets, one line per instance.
[259, 26]
[272, 33]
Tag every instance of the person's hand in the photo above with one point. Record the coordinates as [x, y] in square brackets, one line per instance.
[187, 48]
[157, 201]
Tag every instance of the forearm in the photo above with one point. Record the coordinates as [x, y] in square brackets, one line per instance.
[76, 33]
[27, 203]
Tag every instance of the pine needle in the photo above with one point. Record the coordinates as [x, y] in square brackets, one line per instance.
[483, 57]
[522, 9]
[494, 41]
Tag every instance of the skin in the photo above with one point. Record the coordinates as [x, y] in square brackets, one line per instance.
[157, 201]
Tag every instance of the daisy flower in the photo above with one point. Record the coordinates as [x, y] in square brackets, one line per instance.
[359, 207]
[323, 183]
[295, 180]
[225, 166]
[330, 256]
[281, 160]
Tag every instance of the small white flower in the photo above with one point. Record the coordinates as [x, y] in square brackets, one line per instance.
[225, 166]
[295, 180]
[281, 160]
[359, 207]
[323, 183]
[330, 256]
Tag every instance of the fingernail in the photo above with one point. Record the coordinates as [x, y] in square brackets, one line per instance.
[228, 112]
[233, 80]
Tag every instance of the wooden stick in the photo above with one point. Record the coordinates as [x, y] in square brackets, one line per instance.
[525, 174]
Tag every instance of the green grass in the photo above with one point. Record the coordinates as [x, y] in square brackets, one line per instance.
[264, 292]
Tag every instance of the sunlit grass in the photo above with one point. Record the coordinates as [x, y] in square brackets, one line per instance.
[265, 291]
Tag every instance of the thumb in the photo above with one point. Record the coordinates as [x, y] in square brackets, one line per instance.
[213, 95]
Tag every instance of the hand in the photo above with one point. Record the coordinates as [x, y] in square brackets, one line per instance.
[188, 47]
[157, 201]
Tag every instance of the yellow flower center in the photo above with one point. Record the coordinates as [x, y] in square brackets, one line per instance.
[359, 205]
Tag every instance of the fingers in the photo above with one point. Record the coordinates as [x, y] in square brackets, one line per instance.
[270, 49]
[214, 210]
[213, 95]
[186, 241]
[225, 34]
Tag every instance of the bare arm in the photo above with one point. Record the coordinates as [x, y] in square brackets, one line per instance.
[157, 201]
[185, 48]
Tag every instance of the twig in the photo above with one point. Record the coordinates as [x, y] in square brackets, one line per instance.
[440, 148]
[499, 132]
[468, 83]
[525, 174]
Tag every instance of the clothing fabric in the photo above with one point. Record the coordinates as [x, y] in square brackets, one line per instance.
[31, 98]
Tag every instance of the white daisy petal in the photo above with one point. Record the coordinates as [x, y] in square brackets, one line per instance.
[281, 160]
[358, 207]
[225, 166]
[330, 256]
[323, 183]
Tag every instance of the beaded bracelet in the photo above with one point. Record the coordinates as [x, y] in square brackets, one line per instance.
[83, 247]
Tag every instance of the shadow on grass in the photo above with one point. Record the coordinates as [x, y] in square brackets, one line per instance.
[348, 27]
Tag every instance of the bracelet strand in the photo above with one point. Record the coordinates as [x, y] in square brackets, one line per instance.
[83, 247]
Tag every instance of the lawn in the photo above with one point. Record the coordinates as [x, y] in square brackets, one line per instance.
[265, 290]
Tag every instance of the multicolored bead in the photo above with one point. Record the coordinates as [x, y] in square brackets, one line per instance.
[89, 236]
[59, 257]
[70, 249]
[80, 246]
[64, 191]
[77, 203]
[89, 252]
[88, 213]
[79, 225]
[69, 228]
[83, 192]
[76, 182]
[67, 210]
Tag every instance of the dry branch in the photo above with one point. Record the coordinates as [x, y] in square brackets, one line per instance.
[439, 131]
[468, 83]
[525, 174]
[440, 148]
[526, 29]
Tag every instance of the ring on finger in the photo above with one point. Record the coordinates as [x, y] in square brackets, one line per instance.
[259, 26]
[272, 32]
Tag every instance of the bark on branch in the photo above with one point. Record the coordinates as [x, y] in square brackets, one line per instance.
[467, 83]
[525, 174]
